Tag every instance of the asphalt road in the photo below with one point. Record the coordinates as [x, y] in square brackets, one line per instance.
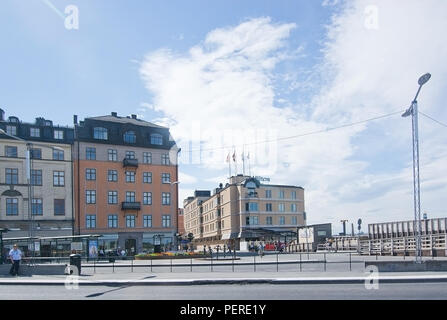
[418, 291]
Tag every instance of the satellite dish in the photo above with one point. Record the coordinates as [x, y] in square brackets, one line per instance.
[423, 79]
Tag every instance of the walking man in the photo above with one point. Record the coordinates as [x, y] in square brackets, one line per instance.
[15, 255]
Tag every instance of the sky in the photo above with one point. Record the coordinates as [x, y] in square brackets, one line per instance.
[271, 79]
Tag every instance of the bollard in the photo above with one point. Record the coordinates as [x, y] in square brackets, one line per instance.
[350, 262]
[324, 255]
[94, 266]
[191, 264]
[232, 264]
[300, 263]
[211, 263]
[171, 264]
[131, 266]
[277, 263]
[113, 266]
[254, 263]
[151, 264]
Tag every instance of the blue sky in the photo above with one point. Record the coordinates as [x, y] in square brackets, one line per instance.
[238, 72]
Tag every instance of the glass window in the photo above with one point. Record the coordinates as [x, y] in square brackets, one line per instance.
[12, 206]
[130, 137]
[58, 178]
[156, 139]
[165, 159]
[282, 220]
[130, 176]
[166, 221]
[293, 194]
[166, 178]
[59, 207]
[100, 133]
[147, 177]
[112, 221]
[268, 193]
[112, 175]
[90, 153]
[281, 194]
[112, 197]
[36, 177]
[36, 153]
[147, 198]
[130, 155]
[294, 220]
[58, 155]
[293, 207]
[34, 132]
[166, 198]
[269, 221]
[268, 207]
[11, 152]
[90, 196]
[90, 221]
[37, 207]
[281, 207]
[59, 134]
[251, 206]
[11, 130]
[90, 174]
[130, 196]
[12, 176]
[130, 221]
[147, 221]
[112, 155]
[147, 157]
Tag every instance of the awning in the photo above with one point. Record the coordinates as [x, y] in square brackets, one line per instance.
[228, 236]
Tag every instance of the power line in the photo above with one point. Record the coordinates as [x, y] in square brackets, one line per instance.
[426, 115]
[300, 135]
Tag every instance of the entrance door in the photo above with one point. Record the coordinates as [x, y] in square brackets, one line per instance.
[131, 247]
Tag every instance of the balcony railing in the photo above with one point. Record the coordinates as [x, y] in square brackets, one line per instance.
[251, 195]
[131, 205]
[130, 163]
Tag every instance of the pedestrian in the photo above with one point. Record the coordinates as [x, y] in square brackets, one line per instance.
[15, 255]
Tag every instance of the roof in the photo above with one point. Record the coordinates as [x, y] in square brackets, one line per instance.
[129, 120]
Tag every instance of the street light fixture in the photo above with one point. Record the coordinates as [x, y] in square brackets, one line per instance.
[175, 213]
[413, 111]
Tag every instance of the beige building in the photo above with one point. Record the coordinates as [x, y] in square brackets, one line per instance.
[244, 211]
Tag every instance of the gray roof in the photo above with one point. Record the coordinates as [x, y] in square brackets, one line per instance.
[118, 119]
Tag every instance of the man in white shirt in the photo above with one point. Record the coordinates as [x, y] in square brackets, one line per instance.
[15, 255]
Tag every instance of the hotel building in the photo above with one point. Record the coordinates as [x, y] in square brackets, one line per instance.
[244, 211]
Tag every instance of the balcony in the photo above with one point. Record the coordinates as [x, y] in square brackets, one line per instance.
[130, 163]
[130, 205]
[251, 195]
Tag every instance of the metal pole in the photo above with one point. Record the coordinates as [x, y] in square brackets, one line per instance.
[350, 262]
[300, 263]
[132, 265]
[191, 264]
[254, 263]
[325, 261]
[277, 263]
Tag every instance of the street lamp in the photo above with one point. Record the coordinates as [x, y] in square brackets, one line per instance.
[413, 111]
[176, 213]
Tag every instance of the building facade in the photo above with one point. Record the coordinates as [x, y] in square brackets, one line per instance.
[243, 211]
[51, 185]
[126, 183]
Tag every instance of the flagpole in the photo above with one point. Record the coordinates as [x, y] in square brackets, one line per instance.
[243, 161]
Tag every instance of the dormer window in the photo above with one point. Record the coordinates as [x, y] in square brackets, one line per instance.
[35, 132]
[100, 133]
[130, 137]
[156, 139]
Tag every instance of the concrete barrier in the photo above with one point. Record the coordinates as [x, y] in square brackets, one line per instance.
[408, 266]
[39, 269]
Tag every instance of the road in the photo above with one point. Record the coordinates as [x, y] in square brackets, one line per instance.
[232, 292]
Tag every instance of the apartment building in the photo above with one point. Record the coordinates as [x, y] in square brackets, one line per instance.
[243, 211]
[43, 207]
[126, 182]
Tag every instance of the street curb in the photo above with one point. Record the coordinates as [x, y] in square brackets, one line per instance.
[274, 281]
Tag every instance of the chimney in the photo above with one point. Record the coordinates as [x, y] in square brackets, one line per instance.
[134, 116]
[75, 119]
[114, 114]
[2, 115]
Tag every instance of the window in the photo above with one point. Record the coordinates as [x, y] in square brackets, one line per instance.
[269, 221]
[36, 177]
[281, 194]
[100, 133]
[130, 196]
[268, 207]
[112, 197]
[147, 157]
[130, 155]
[12, 206]
[252, 220]
[11, 130]
[11, 152]
[58, 178]
[90, 196]
[36, 153]
[37, 207]
[112, 221]
[251, 206]
[34, 132]
[294, 220]
[147, 177]
[282, 220]
[166, 178]
[58, 155]
[130, 221]
[130, 137]
[156, 139]
[147, 198]
[293, 207]
[147, 221]
[293, 194]
[268, 193]
[112, 155]
[90, 174]
[130, 176]
[166, 221]
[165, 159]
[59, 207]
[166, 198]
[90, 153]
[59, 134]
[112, 175]
[90, 222]
[12, 176]
[281, 207]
